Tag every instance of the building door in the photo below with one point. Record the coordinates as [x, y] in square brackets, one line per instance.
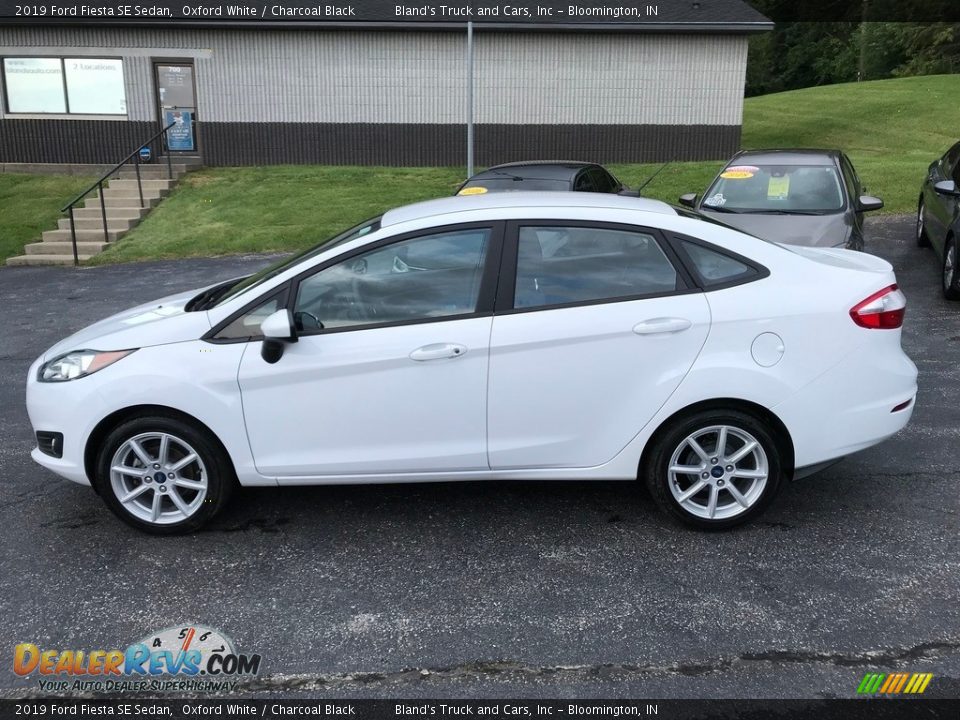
[177, 102]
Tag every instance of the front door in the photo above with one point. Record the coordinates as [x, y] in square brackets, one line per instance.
[601, 333]
[176, 100]
[389, 374]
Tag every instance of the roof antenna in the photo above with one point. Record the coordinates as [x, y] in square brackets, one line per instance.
[654, 175]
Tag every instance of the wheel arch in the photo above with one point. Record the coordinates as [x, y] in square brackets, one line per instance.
[118, 417]
[780, 433]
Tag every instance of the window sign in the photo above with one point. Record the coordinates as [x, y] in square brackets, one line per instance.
[80, 86]
[95, 87]
[180, 136]
[34, 85]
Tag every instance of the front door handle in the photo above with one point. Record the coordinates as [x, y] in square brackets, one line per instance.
[438, 351]
[661, 326]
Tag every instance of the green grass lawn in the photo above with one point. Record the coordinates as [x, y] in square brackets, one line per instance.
[30, 204]
[892, 129]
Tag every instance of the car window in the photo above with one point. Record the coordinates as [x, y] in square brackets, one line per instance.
[584, 182]
[603, 181]
[772, 188]
[950, 161]
[432, 276]
[247, 326]
[850, 178]
[557, 265]
[715, 267]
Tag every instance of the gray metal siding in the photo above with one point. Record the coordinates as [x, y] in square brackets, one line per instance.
[417, 77]
[332, 96]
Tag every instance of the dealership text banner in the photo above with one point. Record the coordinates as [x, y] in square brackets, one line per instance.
[668, 12]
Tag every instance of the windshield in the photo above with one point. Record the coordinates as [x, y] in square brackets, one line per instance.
[508, 183]
[790, 189]
[364, 228]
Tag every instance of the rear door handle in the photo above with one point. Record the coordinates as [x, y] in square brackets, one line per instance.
[661, 326]
[438, 351]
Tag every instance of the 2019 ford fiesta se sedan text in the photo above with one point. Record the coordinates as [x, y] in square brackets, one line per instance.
[547, 336]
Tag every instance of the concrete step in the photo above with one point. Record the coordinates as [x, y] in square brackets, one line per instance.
[65, 248]
[127, 203]
[128, 191]
[96, 222]
[154, 170]
[45, 259]
[152, 184]
[85, 235]
[113, 213]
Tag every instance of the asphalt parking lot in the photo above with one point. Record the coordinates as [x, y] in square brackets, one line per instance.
[501, 589]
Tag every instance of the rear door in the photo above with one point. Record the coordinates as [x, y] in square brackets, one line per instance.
[596, 326]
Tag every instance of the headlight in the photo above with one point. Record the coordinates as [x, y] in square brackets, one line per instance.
[78, 364]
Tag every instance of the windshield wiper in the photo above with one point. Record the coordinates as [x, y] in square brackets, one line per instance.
[786, 212]
[210, 296]
[721, 209]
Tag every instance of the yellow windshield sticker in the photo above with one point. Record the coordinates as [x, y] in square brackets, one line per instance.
[475, 190]
[736, 174]
[779, 187]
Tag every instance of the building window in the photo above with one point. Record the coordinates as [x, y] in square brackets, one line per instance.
[81, 86]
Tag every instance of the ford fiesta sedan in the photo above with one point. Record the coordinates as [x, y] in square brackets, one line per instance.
[546, 336]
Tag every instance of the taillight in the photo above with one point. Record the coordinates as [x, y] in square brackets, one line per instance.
[881, 311]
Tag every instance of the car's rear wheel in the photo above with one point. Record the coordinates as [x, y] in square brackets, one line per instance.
[951, 271]
[923, 240]
[162, 475]
[715, 469]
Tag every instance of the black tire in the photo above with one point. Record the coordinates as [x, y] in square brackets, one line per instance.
[656, 471]
[923, 240]
[217, 471]
[951, 279]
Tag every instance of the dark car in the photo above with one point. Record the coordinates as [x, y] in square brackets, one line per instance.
[553, 175]
[938, 217]
[802, 197]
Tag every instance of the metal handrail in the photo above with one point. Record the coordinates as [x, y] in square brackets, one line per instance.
[99, 186]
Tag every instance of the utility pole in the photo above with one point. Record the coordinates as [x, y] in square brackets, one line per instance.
[469, 99]
[862, 67]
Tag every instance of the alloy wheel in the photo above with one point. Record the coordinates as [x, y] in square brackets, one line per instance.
[718, 472]
[158, 478]
[949, 266]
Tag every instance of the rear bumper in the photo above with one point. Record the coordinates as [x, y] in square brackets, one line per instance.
[850, 407]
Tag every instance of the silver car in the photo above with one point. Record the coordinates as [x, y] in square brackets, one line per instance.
[801, 197]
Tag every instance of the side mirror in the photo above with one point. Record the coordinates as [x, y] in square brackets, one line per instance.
[946, 187]
[627, 192]
[868, 202]
[689, 200]
[278, 330]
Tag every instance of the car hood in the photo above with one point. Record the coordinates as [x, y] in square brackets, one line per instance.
[159, 322]
[810, 230]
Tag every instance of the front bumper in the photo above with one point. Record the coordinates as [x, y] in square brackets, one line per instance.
[66, 408]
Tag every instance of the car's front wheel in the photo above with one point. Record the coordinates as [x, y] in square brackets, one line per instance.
[162, 475]
[923, 240]
[951, 270]
[715, 469]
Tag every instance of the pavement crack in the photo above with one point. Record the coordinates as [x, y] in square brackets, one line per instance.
[887, 657]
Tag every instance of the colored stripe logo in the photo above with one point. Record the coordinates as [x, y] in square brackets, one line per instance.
[894, 683]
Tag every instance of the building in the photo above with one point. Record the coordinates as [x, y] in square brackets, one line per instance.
[386, 94]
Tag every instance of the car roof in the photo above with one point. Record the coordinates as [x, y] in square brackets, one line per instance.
[787, 156]
[522, 199]
[542, 169]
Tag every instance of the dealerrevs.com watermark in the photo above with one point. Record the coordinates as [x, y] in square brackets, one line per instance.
[188, 658]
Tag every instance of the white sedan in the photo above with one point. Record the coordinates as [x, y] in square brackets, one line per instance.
[542, 336]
